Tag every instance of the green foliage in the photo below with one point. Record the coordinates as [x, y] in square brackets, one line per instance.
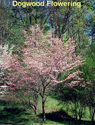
[88, 67]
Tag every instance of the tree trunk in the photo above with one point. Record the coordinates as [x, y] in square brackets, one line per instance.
[76, 110]
[92, 113]
[30, 18]
[85, 111]
[92, 118]
[35, 110]
[43, 109]
[80, 111]
[80, 114]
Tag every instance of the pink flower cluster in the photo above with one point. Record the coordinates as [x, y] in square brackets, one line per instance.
[44, 57]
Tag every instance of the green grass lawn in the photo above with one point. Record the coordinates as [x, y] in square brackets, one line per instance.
[17, 114]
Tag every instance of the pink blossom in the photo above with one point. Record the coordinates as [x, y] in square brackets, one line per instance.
[44, 57]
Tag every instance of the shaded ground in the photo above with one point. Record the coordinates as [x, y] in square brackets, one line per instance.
[12, 115]
[16, 115]
[63, 117]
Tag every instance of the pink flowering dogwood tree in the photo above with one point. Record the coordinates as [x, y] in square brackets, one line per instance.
[42, 59]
